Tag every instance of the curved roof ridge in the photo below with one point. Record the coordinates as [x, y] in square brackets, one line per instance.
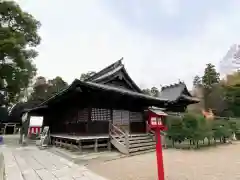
[106, 70]
[173, 85]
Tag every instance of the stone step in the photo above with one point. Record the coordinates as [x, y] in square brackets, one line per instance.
[141, 141]
[138, 141]
[142, 144]
[138, 135]
[131, 150]
[142, 152]
[139, 138]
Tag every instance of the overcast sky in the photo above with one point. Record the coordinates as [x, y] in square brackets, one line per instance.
[161, 41]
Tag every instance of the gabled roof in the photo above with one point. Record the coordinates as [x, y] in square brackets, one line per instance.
[109, 70]
[102, 87]
[112, 71]
[176, 91]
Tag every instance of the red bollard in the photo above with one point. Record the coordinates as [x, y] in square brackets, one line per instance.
[159, 155]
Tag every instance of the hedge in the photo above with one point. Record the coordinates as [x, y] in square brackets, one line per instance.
[195, 128]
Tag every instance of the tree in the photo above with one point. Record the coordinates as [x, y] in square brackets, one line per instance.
[154, 91]
[221, 130]
[3, 114]
[44, 89]
[147, 91]
[18, 38]
[216, 100]
[232, 79]
[16, 111]
[40, 88]
[211, 76]
[231, 86]
[151, 92]
[209, 79]
[232, 97]
[87, 75]
[190, 127]
[197, 81]
[56, 85]
[175, 130]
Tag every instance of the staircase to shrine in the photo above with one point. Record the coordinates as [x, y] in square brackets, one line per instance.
[131, 144]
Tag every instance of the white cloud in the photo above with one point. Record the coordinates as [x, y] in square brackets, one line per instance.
[170, 7]
[82, 36]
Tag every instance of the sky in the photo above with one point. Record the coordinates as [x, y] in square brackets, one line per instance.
[161, 41]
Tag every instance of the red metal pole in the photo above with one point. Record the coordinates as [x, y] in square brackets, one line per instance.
[159, 155]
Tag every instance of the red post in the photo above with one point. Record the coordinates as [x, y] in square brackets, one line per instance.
[159, 155]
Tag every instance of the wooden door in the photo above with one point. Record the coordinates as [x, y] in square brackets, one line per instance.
[121, 119]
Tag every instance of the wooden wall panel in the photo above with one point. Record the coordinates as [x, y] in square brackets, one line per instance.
[136, 117]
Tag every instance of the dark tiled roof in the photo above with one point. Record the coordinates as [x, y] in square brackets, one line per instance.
[123, 91]
[110, 72]
[175, 91]
[172, 92]
[102, 87]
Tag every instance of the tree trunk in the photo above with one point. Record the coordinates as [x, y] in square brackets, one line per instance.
[224, 139]
[173, 145]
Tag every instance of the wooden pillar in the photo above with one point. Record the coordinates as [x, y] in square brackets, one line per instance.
[80, 146]
[89, 120]
[109, 146]
[110, 121]
[96, 145]
[127, 141]
[109, 130]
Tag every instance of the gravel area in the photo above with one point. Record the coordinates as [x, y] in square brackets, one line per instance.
[214, 163]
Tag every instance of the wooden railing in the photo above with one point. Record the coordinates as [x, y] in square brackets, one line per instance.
[149, 130]
[117, 134]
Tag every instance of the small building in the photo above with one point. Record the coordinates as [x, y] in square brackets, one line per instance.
[179, 97]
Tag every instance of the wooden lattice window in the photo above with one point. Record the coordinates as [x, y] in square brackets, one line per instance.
[100, 114]
[82, 115]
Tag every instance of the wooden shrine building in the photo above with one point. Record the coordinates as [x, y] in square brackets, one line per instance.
[107, 106]
[89, 107]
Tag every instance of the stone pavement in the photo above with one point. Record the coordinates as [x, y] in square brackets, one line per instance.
[30, 163]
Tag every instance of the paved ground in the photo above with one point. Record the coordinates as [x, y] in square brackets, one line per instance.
[30, 163]
[215, 163]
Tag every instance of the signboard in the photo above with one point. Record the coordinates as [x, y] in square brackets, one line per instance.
[36, 121]
[154, 121]
[159, 121]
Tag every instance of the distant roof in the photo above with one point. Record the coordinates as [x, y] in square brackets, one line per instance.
[110, 72]
[175, 91]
